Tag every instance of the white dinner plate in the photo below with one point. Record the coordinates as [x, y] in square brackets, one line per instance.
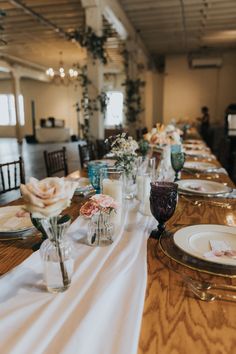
[199, 153]
[199, 166]
[11, 223]
[195, 147]
[202, 187]
[195, 240]
[194, 141]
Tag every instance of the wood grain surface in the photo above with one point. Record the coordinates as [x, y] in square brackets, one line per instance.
[174, 321]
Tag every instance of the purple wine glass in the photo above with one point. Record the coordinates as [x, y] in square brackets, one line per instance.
[163, 199]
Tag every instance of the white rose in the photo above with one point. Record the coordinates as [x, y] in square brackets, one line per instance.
[48, 197]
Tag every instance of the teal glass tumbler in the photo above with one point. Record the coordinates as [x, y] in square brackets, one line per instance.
[94, 168]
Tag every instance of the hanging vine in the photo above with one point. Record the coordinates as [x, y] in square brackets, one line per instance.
[95, 44]
[86, 104]
[133, 101]
[2, 16]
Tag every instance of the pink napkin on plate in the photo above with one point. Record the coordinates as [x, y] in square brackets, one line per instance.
[219, 249]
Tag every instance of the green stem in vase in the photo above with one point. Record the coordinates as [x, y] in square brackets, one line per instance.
[55, 223]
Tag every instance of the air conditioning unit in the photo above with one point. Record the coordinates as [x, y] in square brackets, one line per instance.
[205, 62]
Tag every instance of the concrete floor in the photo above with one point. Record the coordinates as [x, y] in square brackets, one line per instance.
[32, 154]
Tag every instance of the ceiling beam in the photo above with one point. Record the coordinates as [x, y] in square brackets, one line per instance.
[39, 17]
[121, 16]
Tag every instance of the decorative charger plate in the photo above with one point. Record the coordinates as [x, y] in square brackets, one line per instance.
[13, 225]
[202, 187]
[174, 253]
[195, 240]
[199, 166]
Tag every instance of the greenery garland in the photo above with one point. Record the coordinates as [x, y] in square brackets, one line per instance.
[132, 92]
[2, 15]
[88, 105]
[92, 42]
[133, 99]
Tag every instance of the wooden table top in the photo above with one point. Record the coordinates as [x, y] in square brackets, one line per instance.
[174, 321]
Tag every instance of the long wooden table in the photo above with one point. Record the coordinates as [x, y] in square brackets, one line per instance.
[174, 321]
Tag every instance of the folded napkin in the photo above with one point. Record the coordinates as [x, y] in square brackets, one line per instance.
[219, 249]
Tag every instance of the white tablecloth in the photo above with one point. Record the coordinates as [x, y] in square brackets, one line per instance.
[100, 313]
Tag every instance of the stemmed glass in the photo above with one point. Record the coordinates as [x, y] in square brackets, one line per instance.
[177, 162]
[163, 199]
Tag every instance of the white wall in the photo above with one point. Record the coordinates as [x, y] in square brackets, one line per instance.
[187, 90]
[50, 100]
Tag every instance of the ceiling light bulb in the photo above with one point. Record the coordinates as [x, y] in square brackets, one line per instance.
[61, 70]
[71, 72]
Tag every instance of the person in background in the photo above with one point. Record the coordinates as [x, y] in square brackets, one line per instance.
[205, 122]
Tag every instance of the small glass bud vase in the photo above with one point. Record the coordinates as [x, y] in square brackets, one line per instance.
[56, 253]
[130, 185]
[100, 230]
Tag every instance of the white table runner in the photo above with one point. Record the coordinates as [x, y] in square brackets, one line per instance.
[100, 313]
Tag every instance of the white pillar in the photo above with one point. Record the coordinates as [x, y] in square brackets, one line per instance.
[16, 92]
[93, 18]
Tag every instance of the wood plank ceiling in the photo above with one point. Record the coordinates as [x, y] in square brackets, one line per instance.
[177, 26]
[166, 26]
[38, 35]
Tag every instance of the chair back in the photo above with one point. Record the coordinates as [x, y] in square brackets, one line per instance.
[86, 154]
[102, 148]
[11, 175]
[56, 161]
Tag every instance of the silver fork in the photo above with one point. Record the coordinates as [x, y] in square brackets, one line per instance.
[199, 202]
[205, 285]
[205, 295]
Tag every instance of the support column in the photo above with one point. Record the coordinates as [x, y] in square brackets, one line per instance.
[93, 18]
[16, 92]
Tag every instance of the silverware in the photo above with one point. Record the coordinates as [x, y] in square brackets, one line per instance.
[205, 295]
[206, 285]
[199, 202]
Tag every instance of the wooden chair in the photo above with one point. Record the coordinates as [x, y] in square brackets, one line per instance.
[102, 148]
[56, 161]
[11, 175]
[86, 154]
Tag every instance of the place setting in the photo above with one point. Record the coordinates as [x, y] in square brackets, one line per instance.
[15, 223]
[202, 248]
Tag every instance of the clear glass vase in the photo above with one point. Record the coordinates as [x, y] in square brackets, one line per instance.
[56, 253]
[129, 185]
[100, 230]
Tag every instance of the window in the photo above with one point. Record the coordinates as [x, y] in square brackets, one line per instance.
[7, 110]
[114, 112]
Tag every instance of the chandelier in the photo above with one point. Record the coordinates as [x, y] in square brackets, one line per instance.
[61, 75]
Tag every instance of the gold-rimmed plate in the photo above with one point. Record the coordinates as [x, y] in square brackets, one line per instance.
[174, 253]
[195, 240]
[202, 187]
[14, 223]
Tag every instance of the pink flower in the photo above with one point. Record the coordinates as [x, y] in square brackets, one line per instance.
[89, 209]
[103, 200]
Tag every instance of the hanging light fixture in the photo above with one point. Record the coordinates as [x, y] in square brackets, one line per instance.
[61, 75]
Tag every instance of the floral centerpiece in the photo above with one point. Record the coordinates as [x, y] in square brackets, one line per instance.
[164, 135]
[99, 209]
[124, 149]
[45, 201]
